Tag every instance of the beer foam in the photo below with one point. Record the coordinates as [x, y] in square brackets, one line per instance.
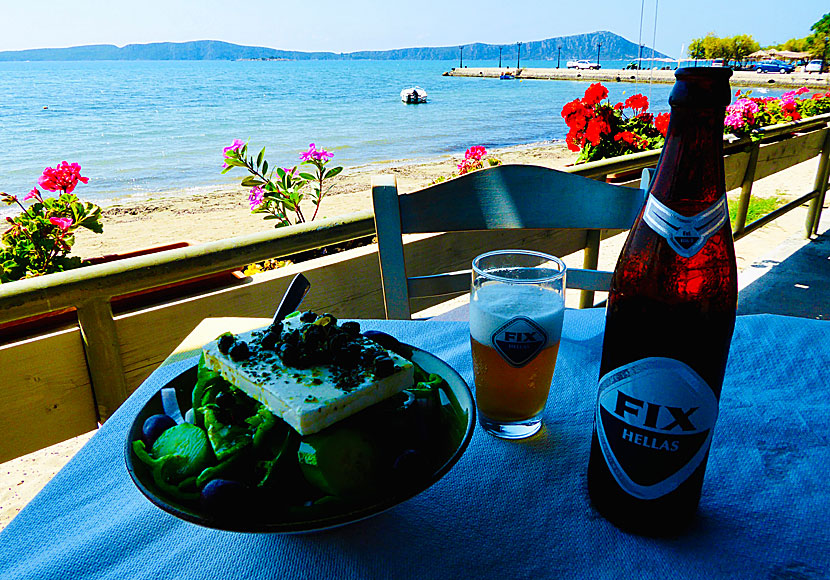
[495, 303]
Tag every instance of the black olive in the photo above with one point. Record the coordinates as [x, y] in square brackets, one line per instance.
[154, 426]
[348, 356]
[305, 360]
[370, 353]
[308, 316]
[223, 415]
[289, 354]
[351, 328]
[225, 498]
[337, 342]
[269, 341]
[292, 337]
[224, 399]
[226, 341]
[276, 328]
[384, 366]
[313, 336]
[240, 351]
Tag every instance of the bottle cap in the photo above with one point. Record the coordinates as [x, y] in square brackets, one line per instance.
[701, 88]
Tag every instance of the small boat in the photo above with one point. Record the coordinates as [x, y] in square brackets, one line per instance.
[414, 95]
[506, 76]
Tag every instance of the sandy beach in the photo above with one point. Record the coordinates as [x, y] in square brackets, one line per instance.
[212, 215]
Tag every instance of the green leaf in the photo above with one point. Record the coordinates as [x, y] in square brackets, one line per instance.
[332, 172]
[308, 176]
[264, 170]
[252, 181]
[260, 157]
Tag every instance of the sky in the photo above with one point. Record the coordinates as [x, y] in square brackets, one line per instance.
[352, 25]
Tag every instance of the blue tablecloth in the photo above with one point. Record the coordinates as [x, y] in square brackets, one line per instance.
[507, 509]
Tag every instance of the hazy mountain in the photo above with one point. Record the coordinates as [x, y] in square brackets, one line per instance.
[614, 47]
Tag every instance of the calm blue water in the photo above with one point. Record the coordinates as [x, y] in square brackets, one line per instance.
[139, 128]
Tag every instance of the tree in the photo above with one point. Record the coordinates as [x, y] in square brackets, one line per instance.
[714, 46]
[696, 49]
[815, 42]
[794, 45]
[741, 46]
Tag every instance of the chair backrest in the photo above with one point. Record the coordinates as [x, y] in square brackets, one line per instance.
[502, 197]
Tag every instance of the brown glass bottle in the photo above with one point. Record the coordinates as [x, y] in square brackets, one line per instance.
[669, 323]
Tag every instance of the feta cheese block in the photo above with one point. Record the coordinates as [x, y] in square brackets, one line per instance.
[334, 372]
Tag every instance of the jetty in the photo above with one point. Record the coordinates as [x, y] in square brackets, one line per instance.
[739, 78]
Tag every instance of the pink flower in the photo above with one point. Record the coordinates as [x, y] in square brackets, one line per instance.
[235, 146]
[256, 197]
[32, 194]
[63, 223]
[315, 155]
[741, 114]
[734, 120]
[62, 178]
[476, 152]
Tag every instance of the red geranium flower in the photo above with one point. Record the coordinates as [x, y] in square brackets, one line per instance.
[662, 123]
[637, 102]
[64, 177]
[596, 127]
[594, 94]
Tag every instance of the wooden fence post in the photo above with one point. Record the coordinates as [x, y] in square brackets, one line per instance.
[820, 186]
[103, 355]
[746, 190]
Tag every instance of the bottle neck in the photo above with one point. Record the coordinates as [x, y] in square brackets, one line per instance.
[690, 174]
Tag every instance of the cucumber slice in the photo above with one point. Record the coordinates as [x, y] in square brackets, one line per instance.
[188, 444]
[340, 462]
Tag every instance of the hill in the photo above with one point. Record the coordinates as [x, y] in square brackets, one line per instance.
[614, 47]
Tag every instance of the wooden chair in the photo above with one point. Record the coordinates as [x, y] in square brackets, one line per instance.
[502, 197]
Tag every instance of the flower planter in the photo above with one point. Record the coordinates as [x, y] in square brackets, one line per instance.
[25, 327]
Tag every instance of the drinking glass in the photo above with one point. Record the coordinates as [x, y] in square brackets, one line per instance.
[517, 304]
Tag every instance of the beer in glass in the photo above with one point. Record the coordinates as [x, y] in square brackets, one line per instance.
[516, 310]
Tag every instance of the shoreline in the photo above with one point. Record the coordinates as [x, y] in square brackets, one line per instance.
[209, 213]
[739, 78]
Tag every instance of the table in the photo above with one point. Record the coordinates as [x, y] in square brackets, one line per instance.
[507, 509]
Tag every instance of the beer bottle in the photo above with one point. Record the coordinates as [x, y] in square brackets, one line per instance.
[668, 325]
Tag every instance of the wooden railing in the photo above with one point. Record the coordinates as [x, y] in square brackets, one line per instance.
[61, 384]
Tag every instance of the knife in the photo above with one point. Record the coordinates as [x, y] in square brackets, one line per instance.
[293, 297]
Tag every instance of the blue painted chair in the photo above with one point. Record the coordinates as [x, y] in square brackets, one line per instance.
[502, 197]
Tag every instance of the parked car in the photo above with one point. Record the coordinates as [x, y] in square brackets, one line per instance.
[814, 66]
[718, 62]
[773, 66]
[587, 65]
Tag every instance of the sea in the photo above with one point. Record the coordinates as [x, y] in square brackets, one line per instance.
[140, 129]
